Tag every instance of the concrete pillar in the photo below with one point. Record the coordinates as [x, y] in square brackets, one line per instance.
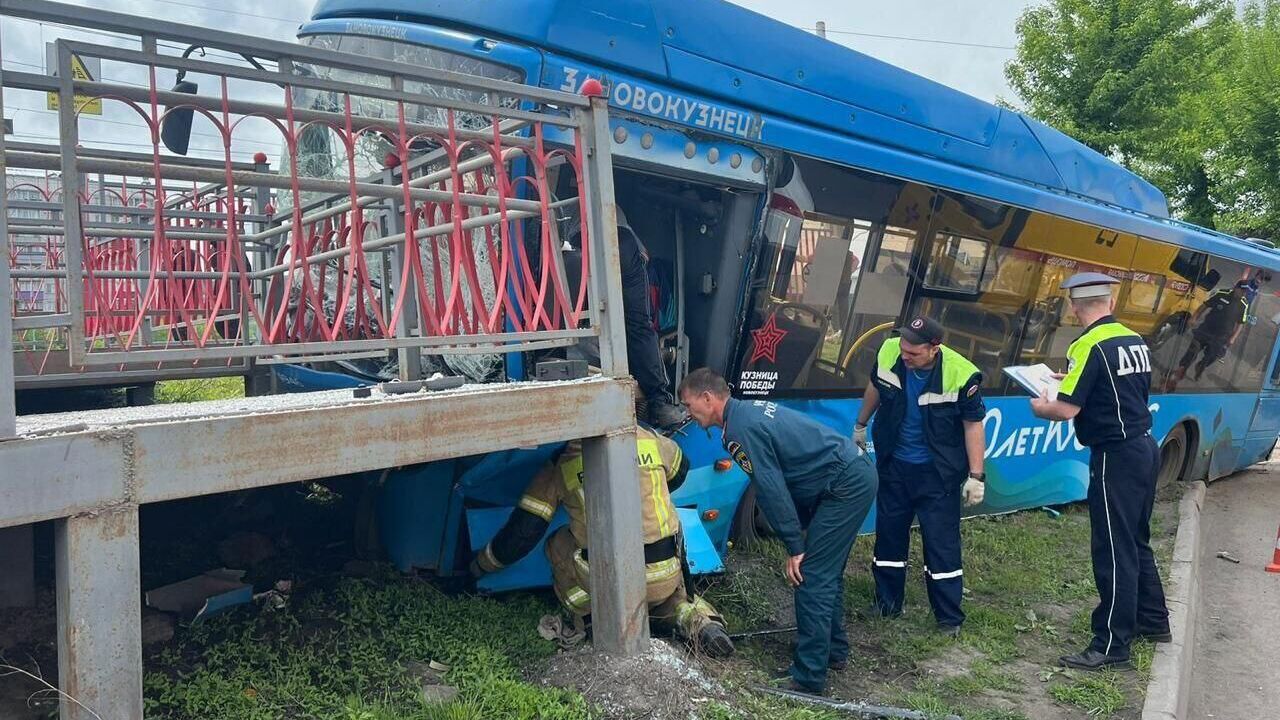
[619, 615]
[17, 567]
[99, 615]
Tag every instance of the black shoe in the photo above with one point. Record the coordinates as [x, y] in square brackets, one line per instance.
[798, 687]
[1092, 660]
[666, 416]
[949, 630]
[1156, 636]
[715, 642]
[878, 610]
[838, 665]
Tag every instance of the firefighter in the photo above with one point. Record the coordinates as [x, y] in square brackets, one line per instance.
[928, 438]
[1105, 392]
[815, 488]
[644, 356]
[669, 592]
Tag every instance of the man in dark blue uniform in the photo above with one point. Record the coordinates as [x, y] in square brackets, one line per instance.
[928, 438]
[1105, 391]
[644, 355]
[815, 488]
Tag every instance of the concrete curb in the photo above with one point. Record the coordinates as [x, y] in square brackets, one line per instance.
[1168, 692]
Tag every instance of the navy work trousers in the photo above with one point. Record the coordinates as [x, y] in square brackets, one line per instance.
[1122, 489]
[643, 356]
[907, 491]
[820, 638]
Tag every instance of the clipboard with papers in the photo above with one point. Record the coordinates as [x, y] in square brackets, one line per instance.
[1035, 379]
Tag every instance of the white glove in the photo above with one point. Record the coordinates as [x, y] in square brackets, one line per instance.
[860, 436]
[973, 491]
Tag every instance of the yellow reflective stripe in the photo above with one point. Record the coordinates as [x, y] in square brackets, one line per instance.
[537, 507]
[489, 561]
[581, 561]
[649, 457]
[571, 472]
[657, 479]
[662, 570]
[1079, 351]
[577, 598]
[886, 358]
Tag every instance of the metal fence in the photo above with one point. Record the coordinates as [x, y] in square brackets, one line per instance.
[396, 219]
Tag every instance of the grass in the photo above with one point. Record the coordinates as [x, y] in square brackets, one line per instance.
[1028, 596]
[342, 648]
[181, 391]
[342, 653]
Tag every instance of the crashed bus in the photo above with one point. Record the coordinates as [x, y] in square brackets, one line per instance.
[798, 200]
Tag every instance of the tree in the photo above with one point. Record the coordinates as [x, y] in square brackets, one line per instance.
[1131, 79]
[1247, 171]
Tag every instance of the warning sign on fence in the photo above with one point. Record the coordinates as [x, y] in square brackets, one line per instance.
[80, 70]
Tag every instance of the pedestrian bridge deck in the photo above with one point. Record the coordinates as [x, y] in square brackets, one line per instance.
[62, 465]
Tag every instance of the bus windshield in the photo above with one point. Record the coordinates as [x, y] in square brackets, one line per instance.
[321, 155]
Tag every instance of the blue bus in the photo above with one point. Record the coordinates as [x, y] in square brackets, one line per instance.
[799, 199]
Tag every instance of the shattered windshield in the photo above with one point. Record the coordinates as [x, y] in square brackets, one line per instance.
[321, 153]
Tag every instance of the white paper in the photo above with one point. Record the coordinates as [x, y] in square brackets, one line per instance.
[1035, 379]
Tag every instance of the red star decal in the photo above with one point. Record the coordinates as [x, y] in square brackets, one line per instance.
[767, 339]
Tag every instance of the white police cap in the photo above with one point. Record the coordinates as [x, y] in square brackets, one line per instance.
[1088, 285]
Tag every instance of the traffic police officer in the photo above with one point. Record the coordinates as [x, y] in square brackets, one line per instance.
[1105, 391]
[807, 476]
[929, 444]
[668, 592]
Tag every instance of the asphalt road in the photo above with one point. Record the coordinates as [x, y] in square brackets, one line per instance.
[1236, 675]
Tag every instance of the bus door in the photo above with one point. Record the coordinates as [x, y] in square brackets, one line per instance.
[1264, 319]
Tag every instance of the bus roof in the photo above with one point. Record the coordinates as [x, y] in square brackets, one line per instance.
[786, 71]
[720, 50]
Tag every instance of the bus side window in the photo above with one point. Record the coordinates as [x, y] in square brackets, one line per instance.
[830, 282]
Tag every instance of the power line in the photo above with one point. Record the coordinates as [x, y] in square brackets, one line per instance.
[933, 41]
[291, 21]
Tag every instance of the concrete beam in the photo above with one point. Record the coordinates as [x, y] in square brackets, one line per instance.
[620, 616]
[99, 616]
[171, 452]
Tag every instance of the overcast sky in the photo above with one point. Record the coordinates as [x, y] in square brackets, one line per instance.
[962, 43]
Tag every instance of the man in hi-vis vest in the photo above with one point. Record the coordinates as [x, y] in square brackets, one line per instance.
[928, 443]
[671, 600]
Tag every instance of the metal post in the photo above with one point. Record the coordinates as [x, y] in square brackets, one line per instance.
[99, 615]
[69, 140]
[17, 553]
[408, 359]
[606, 273]
[615, 535]
[8, 303]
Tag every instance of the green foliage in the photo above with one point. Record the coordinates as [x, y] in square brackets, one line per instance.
[181, 391]
[1180, 91]
[1247, 170]
[1098, 693]
[343, 654]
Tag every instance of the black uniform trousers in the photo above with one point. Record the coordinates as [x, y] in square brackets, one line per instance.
[643, 355]
[1122, 489]
[820, 635]
[907, 491]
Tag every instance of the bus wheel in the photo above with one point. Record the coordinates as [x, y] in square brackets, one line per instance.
[749, 525]
[1173, 457]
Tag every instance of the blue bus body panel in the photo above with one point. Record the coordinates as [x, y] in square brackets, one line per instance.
[533, 570]
[733, 54]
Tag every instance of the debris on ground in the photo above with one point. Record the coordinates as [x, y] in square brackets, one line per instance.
[1224, 555]
[666, 683]
[564, 635]
[202, 595]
